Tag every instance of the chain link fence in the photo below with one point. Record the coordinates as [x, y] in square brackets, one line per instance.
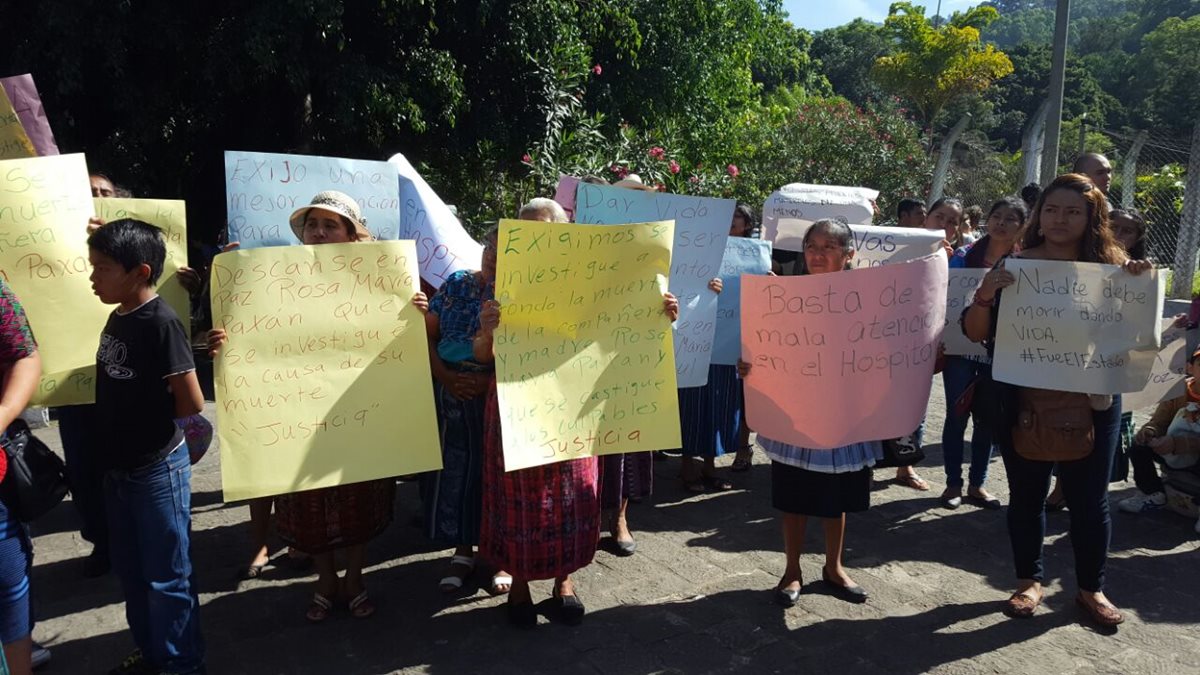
[979, 175]
[1149, 174]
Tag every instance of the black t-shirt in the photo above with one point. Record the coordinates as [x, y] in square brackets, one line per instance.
[135, 410]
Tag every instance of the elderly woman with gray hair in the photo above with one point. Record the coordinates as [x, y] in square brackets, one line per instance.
[542, 522]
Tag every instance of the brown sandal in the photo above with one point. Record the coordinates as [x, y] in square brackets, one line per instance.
[913, 481]
[1021, 606]
[1103, 613]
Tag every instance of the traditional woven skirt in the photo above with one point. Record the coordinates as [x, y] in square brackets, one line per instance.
[538, 523]
[710, 416]
[627, 476]
[315, 521]
[452, 497]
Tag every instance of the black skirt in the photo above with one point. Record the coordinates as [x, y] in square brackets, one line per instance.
[823, 495]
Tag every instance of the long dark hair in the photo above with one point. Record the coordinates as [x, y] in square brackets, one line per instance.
[747, 215]
[841, 233]
[975, 256]
[1098, 244]
[1138, 250]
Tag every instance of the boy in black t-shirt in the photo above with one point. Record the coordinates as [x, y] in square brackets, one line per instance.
[145, 379]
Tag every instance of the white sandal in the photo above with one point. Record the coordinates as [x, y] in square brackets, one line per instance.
[501, 580]
[452, 583]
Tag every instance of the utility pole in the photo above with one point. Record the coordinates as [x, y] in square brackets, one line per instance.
[1189, 226]
[1057, 78]
[1082, 135]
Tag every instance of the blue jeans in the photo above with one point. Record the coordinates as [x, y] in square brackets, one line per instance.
[1085, 487]
[957, 375]
[76, 427]
[149, 517]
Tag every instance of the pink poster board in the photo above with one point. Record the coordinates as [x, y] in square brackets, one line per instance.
[564, 194]
[843, 357]
[25, 100]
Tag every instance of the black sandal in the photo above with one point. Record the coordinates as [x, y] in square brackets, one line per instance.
[250, 572]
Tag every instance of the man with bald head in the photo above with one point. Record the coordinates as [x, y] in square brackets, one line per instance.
[1097, 167]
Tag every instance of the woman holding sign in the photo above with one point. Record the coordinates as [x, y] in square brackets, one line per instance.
[542, 522]
[1040, 428]
[825, 484]
[343, 518]
[1005, 224]
[711, 417]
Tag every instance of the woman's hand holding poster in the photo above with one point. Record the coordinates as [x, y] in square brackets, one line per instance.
[1071, 326]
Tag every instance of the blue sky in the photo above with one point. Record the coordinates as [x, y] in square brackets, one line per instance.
[820, 14]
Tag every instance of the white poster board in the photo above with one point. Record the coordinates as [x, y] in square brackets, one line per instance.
[1071, 326]
[809, 203]
[262, 189]
[961, 293]
[443, 246]
[1167, 377]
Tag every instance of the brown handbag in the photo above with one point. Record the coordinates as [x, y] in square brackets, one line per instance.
[1053, 426]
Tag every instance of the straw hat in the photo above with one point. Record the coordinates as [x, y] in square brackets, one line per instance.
[337, 203]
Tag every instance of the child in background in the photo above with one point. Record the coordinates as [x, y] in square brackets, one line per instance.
[1172, 438]
[145, 379]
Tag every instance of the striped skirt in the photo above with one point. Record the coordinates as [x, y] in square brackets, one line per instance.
[453, 496]
[538, 523]
[710, 416]
[627, 476]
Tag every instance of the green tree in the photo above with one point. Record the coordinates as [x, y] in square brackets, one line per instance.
[1033, 25]
[1017, 96]
[934, 66]
[1168, 70]
[845, 56]
[701, 67]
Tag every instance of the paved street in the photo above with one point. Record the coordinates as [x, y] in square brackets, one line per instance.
[694, 599]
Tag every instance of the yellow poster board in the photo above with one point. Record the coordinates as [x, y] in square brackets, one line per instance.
[45, 203]
[170, 216]
[585, 361]
[14, 142]
[325, 377]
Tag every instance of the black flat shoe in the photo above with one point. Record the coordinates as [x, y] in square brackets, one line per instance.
[570, 608]
[951, 502]
[624, 548]
[522, 614]
[855, 594]
[786, 597]
[991, 503]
